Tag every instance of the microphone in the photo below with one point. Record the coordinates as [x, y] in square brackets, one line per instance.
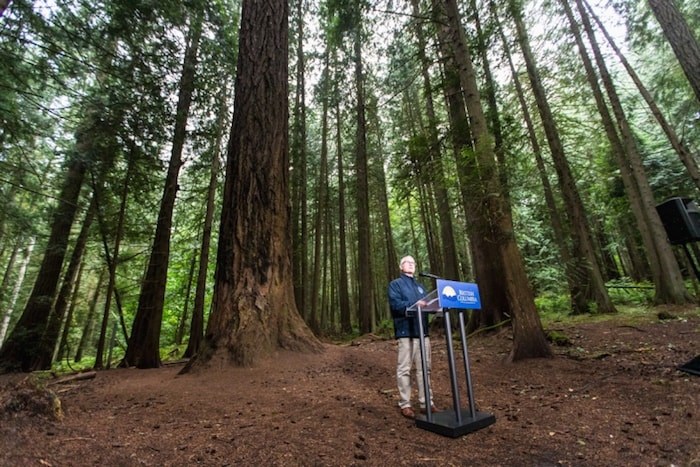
[427, 274]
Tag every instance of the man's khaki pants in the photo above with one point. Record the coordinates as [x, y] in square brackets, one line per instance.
[409, 355]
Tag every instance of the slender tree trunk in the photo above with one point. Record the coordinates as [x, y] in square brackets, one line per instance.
[343, 291]
[7, 316]
[86, 336]
[558, 227]
[44, 357]
[23, 343]
[681, 149]
[314, 320]
[197, 324]
[254, 311]
[668, 280]
[62, 345]
[683, 41]
[180, 332]
[143, 350]
[300, 229]
[366, 296]
[528, 337]
[8, 272]
[588, 268]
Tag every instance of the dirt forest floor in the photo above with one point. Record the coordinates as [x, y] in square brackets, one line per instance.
[612, 397]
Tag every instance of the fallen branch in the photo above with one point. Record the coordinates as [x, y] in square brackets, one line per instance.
[75, 377]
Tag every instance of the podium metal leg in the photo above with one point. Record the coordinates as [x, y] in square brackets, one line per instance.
[455, 422]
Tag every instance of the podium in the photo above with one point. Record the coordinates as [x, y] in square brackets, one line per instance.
[450, 297]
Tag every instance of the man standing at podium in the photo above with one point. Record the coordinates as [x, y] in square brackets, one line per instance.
[404, 292]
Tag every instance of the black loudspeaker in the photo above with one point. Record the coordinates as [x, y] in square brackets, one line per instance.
[681, 219]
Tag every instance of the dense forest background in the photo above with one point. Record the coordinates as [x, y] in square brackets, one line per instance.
[477, 136]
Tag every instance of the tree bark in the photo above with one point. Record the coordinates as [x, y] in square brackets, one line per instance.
[343, 291]
[254, 312]
[23, 343]
[559, 229]
[300, 229]
[89, 325]
[681, 149]
[365, 304]
[528, 336]
[143, 350]
[197, 323]
[448, 268]
[44, 356]
[586, 263]
[683, 42]
[668, 280]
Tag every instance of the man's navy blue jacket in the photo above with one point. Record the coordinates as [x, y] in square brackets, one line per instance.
[404, 292]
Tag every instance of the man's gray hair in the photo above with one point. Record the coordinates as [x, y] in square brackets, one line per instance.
[406, 258]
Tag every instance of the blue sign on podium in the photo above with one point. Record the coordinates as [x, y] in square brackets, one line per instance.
[458, 295]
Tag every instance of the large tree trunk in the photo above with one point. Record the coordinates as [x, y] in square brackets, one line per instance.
[143, 350]
[681, 38]
[528, 337]
[23, 343]
[584, 257]
[254, 312]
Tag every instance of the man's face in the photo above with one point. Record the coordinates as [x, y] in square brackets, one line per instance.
[408, 266]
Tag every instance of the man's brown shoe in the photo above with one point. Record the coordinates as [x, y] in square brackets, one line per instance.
[433, 409]
[408, 412]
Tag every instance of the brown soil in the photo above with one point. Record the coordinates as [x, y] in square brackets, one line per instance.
[612, 397]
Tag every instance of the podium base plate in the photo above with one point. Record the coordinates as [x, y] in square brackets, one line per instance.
[445, 422]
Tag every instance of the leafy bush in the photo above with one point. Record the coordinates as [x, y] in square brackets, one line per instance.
[553, 306]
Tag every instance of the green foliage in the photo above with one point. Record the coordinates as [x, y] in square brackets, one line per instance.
[553, 306]
[385, 329]
[626, 292]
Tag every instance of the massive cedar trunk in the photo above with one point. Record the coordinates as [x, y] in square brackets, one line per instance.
[143, 350]
[666, 273]
[254, 312]
[584, 257]
[23, 343]
[681, 38]
[528, 337]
